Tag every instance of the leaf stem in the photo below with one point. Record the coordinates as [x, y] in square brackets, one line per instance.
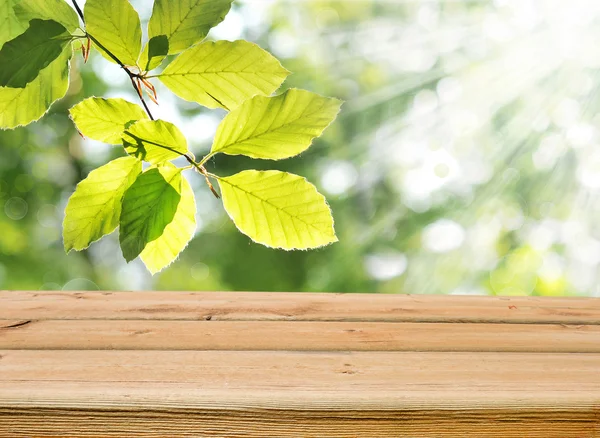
[201, 169]
[205, 159]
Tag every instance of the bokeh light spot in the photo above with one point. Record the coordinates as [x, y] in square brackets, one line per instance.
[16, 208]
[200, 271]
[80, 284]
[443, 236]
[385, 266]
[338, 177]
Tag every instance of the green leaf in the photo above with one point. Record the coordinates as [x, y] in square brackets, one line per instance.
[161, 252]
[275, 127]
[116, 25]
[93, 211]
[223, 73]
[186, 22]
[158, 217]
[10, 25]
[105, 119]
[24, 57]
[278, 209]
[154, 141]
[21, 106]
[154, 53]
[57, 10]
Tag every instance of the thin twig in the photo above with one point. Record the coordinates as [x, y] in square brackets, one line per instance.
[202, 170]
[187, 155]
[131, 75]
[78, 9]
[139, 93]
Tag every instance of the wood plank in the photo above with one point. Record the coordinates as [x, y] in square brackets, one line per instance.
[295, 307]
[380, 377]
[298, 336]
[182, 364]
[285, 394]
[177, 423]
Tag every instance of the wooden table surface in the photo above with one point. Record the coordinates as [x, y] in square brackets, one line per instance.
[180, 364]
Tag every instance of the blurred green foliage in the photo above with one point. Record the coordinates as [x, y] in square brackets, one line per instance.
[464, 161]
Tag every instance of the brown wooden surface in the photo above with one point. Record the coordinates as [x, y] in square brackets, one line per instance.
[172, 364]
[218, 306]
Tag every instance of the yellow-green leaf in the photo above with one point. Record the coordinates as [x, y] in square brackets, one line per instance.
[116, 25]
[57, 10]
[105, 119]
[10, 25]
[23, 58]
[95, 208]
[161, 252]
[278, 209]
[275, 127]
[154, 141]
[21, 106]
[185, 22]
[158, 217]
[223, 73]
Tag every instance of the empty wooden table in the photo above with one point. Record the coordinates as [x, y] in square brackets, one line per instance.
[175, 364]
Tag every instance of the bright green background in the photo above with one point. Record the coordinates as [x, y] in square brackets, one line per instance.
[466, 159]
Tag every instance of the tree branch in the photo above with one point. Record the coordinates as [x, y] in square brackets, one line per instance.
[132, 76]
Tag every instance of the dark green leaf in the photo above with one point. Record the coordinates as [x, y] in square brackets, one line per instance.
[21, 106]
[24, 57]
[157, 217]
[154, 53]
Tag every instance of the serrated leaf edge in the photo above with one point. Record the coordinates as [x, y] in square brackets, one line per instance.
[335, 238]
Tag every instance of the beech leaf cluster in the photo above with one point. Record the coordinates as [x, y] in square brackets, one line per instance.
[153, 206]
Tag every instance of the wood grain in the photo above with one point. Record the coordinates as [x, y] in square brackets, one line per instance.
[169, 364]
[297, 336]
[177, 390]
[253, 306]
